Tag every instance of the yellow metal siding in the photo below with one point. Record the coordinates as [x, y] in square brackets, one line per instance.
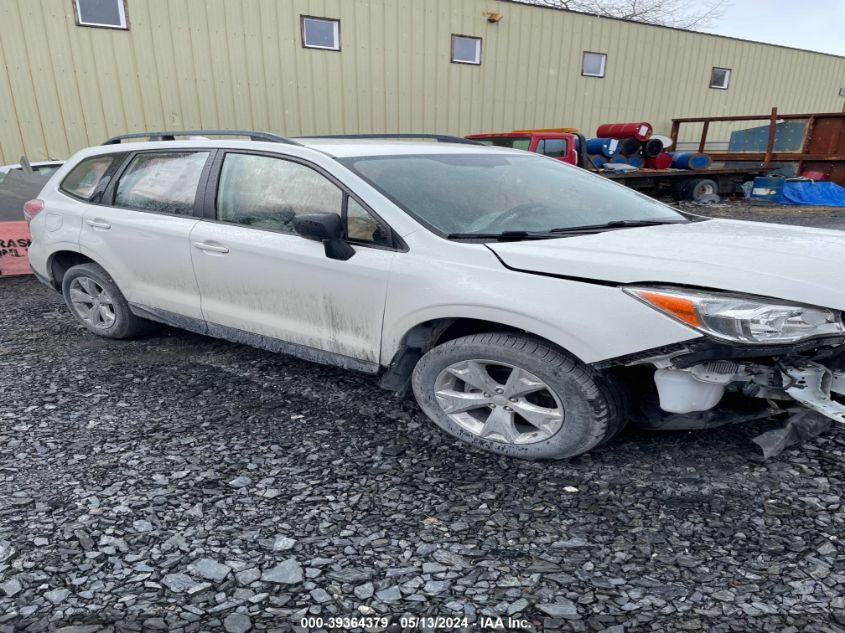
[240, 64]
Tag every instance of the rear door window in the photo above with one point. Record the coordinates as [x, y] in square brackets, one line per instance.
[83, 180]
[161, 182]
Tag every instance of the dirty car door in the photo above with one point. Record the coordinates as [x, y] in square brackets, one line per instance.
[262, 284]
[139, 233]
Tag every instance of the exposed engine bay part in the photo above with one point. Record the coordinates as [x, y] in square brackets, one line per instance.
[724, 414]
[701, 387]
[811, 385]
[681, 391]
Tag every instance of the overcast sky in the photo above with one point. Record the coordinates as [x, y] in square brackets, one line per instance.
[812, 24]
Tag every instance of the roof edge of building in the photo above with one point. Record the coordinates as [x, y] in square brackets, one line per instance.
[536, 4]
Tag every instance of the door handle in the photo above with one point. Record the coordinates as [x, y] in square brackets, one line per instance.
[211, 248]
[98, 224]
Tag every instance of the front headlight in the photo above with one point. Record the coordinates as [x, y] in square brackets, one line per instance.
[741, 319]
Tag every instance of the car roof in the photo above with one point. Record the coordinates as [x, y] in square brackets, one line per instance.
[344, 148]
[335, 147]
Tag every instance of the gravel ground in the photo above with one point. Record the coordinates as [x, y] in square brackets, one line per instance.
[185, 484]
[822, 217]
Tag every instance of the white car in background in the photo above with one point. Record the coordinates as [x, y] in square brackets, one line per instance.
[44, 168]
[533, 308]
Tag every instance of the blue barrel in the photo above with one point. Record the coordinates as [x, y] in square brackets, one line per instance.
[604, 146]
[619, 158]
[636, 161]
[690, 160]
[598, 160]
[768, 188]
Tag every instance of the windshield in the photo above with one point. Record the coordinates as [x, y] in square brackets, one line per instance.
[492, 193]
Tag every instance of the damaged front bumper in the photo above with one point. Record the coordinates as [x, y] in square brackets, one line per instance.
[715, 384]
[812, 384]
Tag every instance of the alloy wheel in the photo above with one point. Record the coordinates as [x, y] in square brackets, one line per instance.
[92, 303]
[498, 401]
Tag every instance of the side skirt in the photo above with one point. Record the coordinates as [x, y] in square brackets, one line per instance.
[260, 341]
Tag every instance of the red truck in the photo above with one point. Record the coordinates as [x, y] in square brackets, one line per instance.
[682, 184]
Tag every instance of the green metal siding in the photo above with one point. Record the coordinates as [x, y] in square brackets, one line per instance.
[240, 64]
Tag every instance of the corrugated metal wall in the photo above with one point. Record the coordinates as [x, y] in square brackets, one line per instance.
[240, 64]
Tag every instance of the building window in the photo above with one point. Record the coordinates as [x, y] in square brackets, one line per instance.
[466, 49]
[109, 14]
[720, 78]
[593, 64]
[321, 33]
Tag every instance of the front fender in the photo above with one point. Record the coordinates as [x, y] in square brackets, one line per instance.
[591, 321]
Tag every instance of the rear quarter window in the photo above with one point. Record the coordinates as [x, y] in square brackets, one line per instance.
[83, 179]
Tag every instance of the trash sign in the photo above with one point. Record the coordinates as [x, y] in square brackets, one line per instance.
[14, 248]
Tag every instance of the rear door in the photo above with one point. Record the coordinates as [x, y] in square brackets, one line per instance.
[258, 277]
[140, 232]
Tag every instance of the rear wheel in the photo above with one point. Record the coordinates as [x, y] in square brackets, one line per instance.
[94, 298]
[517, 396]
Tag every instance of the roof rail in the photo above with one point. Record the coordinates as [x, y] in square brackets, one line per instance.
[170, 136]
[440, 138]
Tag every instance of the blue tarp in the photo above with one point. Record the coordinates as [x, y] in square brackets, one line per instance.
[803, 192]
[807, 192]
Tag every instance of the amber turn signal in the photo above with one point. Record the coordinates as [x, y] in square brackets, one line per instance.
[682, 308]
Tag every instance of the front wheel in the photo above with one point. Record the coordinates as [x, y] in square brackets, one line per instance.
[517, 396]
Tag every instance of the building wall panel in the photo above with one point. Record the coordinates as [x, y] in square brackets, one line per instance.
[240, 64]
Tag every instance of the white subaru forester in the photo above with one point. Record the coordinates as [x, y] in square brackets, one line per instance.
[534, 308]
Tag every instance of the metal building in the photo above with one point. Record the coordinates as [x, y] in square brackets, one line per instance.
[74, 72]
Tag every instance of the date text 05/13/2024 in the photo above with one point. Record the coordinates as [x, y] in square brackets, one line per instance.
[413, 622]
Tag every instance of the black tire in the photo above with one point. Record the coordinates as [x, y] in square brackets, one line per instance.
[125, 324]
[699, 188]
[594, 408]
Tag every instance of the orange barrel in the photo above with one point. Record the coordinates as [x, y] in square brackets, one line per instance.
[14, 246]
[640, 131]
[661, 161]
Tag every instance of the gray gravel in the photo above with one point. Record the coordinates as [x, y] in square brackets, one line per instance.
[185, 484]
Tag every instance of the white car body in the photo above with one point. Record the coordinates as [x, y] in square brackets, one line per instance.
[280, 291]
[460, 280]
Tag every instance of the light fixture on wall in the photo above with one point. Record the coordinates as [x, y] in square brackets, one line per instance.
[493, 17]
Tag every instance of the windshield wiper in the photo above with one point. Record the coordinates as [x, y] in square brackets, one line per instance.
[615, 224]
[504, 236]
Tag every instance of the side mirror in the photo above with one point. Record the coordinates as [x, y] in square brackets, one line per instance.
[326, 228]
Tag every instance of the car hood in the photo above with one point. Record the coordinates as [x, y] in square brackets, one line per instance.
[773, 260]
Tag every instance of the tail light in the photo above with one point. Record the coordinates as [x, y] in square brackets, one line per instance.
[31, 209]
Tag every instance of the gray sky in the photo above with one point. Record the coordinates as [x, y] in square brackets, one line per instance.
[811, 24]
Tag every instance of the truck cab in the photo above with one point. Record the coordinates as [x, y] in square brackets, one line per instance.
[558, 143]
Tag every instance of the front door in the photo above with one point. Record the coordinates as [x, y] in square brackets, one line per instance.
[257, 277]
